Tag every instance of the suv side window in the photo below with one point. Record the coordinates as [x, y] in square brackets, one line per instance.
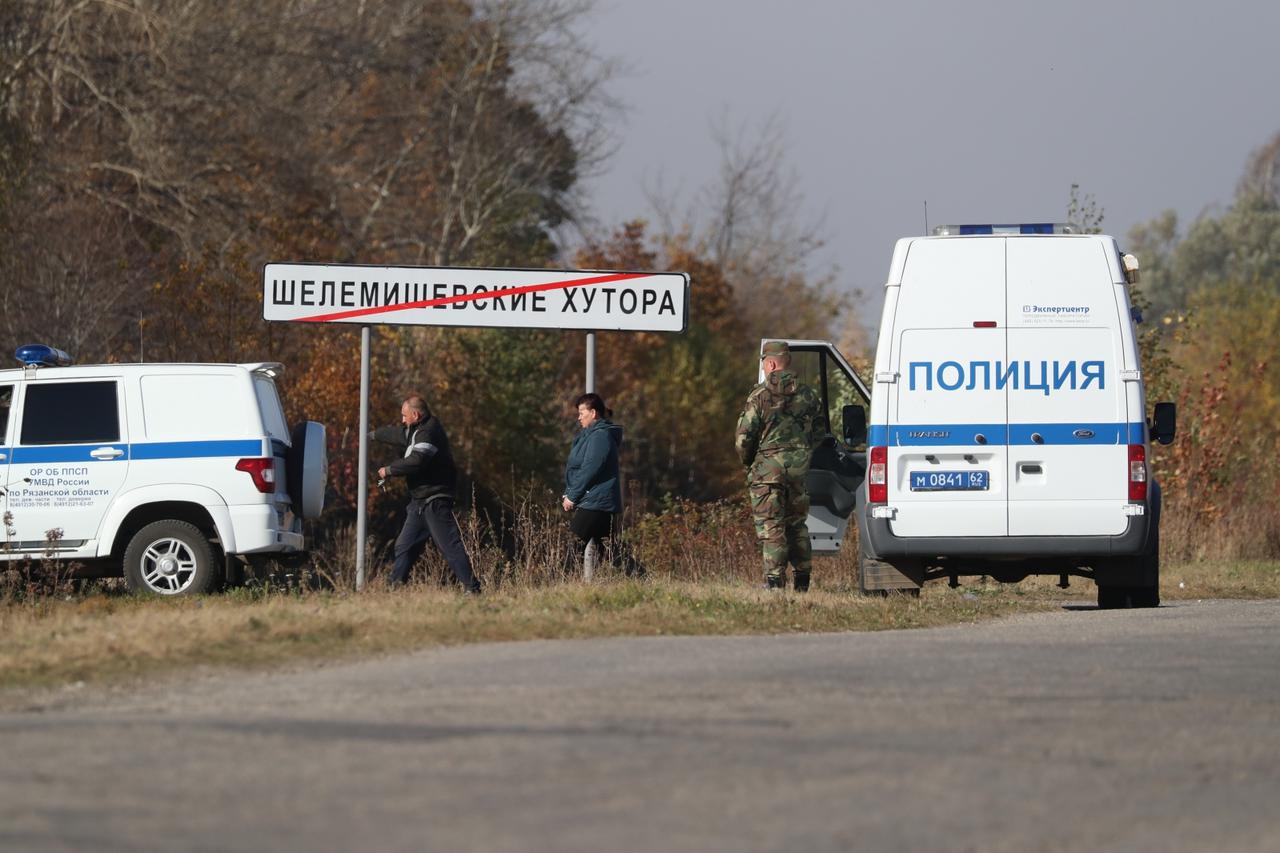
[70, 413]
[6, 401]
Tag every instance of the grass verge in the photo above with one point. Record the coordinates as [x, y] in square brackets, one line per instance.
[1231, 579]
[47, 641]
[106, 638]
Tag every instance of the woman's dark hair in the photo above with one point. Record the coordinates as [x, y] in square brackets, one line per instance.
[594, 402]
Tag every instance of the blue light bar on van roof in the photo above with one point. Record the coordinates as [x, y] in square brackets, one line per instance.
[1021, 228]
[39, 355]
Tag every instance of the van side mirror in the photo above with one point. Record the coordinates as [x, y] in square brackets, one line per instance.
[1164, 423]
[855, 425]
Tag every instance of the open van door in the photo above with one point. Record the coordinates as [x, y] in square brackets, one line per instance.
[837, 469]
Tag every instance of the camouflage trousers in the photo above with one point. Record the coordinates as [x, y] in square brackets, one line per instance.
[779, 511]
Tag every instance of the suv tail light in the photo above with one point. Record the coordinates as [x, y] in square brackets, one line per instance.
[878, 476]
[1137, 472]
[263, 472]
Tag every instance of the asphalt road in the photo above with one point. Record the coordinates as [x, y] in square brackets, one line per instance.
[1073, 730]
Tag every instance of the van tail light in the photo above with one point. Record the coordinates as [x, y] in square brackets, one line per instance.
[878, 476]
[1137, 472]
[263, 472]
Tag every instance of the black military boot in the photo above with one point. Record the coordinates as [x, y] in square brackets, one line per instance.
[801, 581]
[770, 582]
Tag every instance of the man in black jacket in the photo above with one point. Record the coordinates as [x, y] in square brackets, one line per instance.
[428, 467]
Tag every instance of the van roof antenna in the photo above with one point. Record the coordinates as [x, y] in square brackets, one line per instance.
[926, 216]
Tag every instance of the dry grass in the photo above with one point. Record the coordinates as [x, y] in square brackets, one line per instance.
[1220, 579]
[703, 577]
[109, 637]
[1249, 530]
[685, 541]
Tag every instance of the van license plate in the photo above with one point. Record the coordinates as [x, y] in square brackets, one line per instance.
[949, 481]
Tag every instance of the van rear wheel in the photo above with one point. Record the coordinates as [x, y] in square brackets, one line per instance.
[1112, 597]
[170, 557]
[1146, 570]
[1148, 595]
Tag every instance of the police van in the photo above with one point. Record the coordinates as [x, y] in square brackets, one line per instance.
[1007, 433]
[173, 475]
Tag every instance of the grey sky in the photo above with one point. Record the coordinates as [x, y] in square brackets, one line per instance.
[989, 111]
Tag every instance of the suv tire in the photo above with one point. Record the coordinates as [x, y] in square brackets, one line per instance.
[170, 557]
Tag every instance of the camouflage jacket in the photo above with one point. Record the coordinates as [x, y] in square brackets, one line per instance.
[779, 427]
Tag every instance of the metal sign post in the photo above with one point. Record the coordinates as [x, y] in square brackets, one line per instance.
[589, 300]
[362, 465]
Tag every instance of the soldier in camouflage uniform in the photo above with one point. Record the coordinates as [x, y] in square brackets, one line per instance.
[782, 423]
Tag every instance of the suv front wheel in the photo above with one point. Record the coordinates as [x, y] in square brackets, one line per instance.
[169, 558]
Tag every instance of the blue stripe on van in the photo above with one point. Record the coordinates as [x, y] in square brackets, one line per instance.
[957, 435]
[1112, 433]
[937, 435]
[153, 450]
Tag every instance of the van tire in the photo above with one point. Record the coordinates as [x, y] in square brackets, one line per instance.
[1112, 597]
[1148, 595]
[1146, 569]
[169, 558]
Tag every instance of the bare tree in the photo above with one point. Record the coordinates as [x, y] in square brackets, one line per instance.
[69, 290]
[513, 111]
[403, 130]
[756, 232]
[1262, 173]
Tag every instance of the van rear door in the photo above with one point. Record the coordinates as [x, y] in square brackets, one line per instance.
[1068, 425]
[947, 425]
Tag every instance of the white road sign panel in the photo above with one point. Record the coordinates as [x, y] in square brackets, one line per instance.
[457, 296]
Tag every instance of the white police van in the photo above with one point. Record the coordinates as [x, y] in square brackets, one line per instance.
[171, 473]
[1007, 433]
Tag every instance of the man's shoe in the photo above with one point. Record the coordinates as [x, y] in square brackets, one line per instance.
[775, 583]
[801, 581]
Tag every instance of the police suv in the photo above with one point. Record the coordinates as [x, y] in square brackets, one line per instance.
[1007, 433]
[174, 474]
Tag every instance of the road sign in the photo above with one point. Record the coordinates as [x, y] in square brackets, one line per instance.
[464, 296]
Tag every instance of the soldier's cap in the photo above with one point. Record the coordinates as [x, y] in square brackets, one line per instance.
[773, 349]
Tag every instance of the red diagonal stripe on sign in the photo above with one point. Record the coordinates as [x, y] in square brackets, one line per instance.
[470, 297]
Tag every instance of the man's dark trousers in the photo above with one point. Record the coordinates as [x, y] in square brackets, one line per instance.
[432, 521]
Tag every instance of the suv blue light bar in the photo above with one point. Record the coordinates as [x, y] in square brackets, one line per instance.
[39, 355]
[1022, 228]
